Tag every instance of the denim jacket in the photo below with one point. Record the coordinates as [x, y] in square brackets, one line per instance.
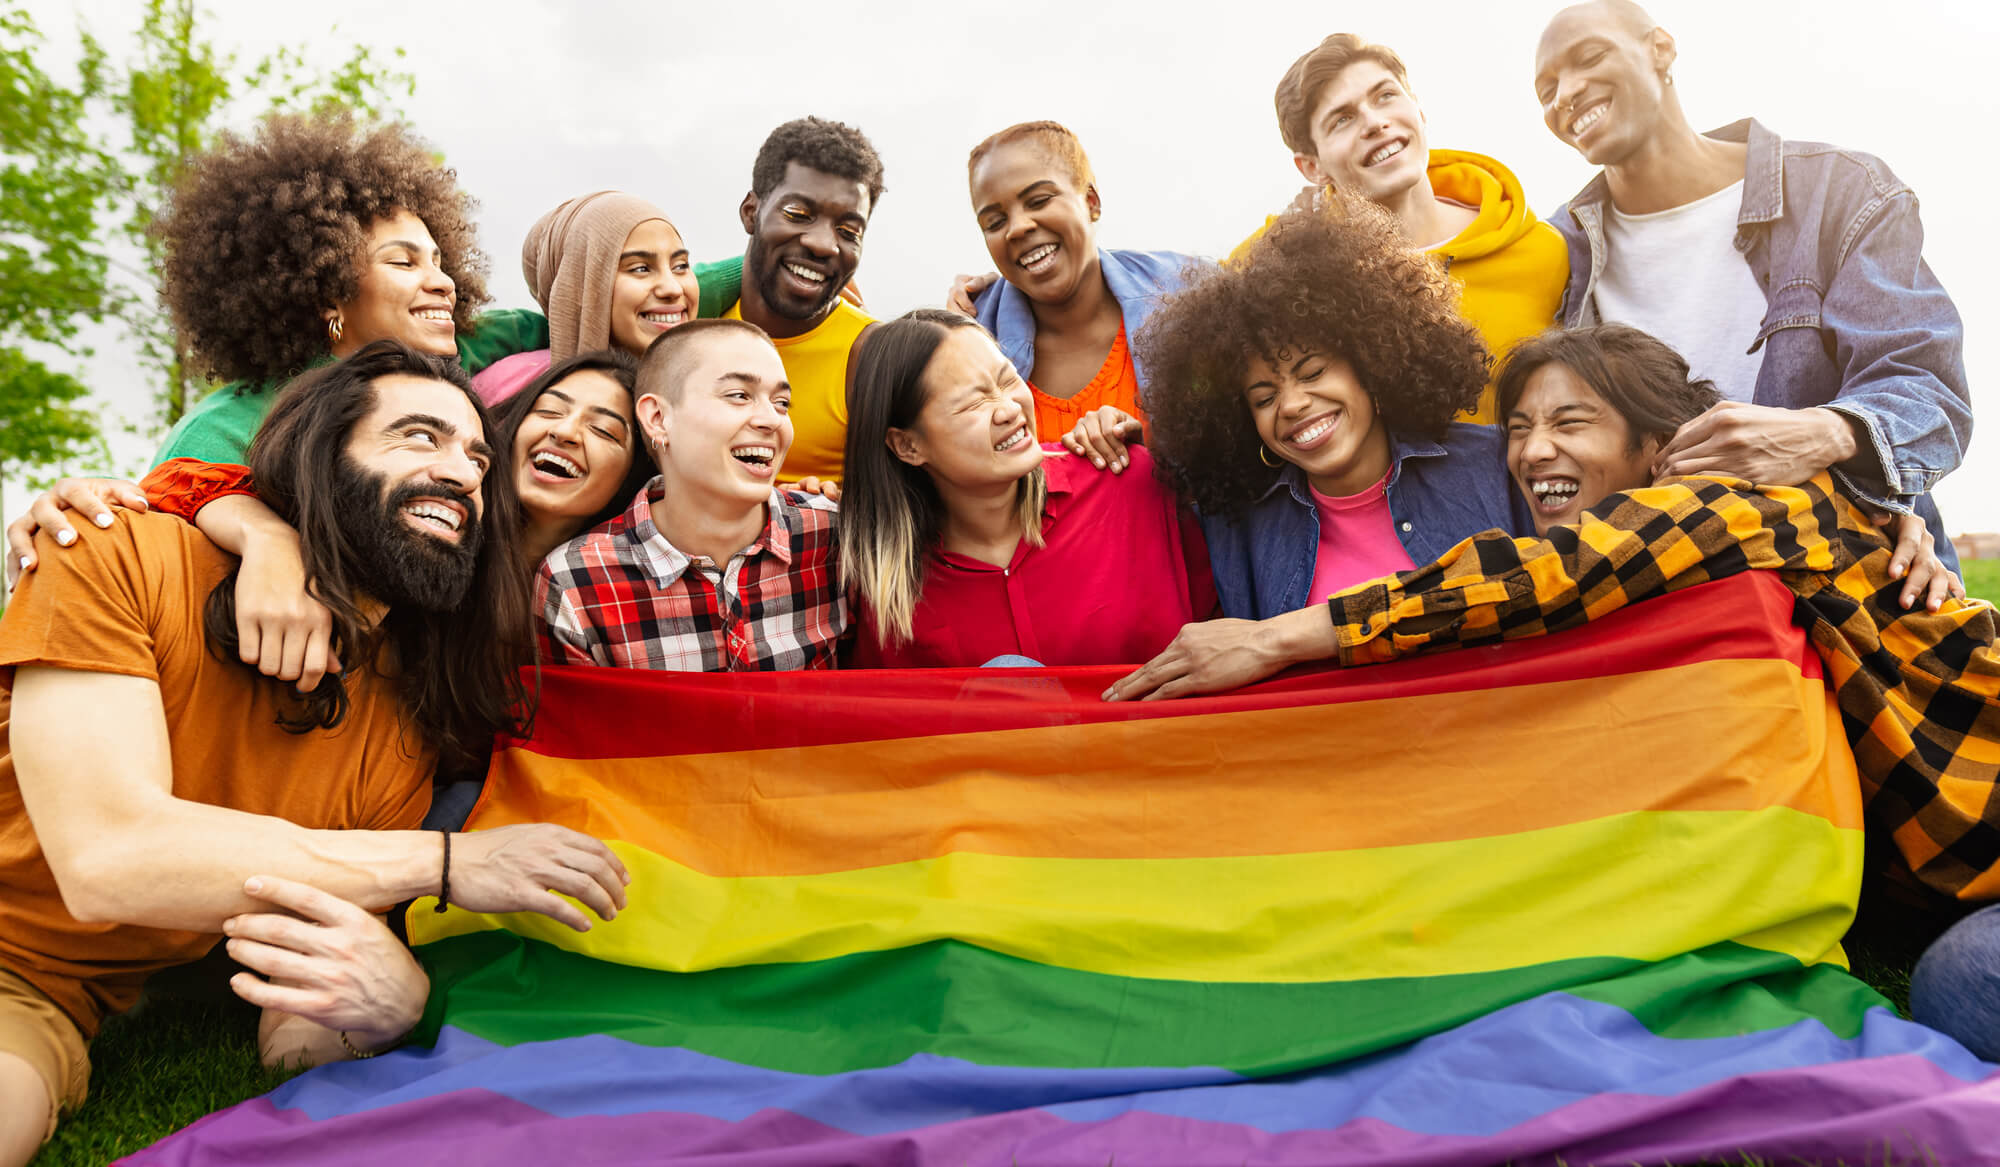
[1136, 279]
[1439, 494]
[1855, 321]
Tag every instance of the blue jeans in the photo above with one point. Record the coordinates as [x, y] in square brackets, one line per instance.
[1956, 987]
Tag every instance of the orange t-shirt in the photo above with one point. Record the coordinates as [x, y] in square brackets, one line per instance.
[1116, 383]
[128, 600]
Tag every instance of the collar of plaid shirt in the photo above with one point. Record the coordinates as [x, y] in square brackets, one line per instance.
[669, 562]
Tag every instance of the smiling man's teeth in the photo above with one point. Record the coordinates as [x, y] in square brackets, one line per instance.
[1554, 490]
[557, 464]
[1313, 432]
[436, 512]
[1385, 153]
[1012, 440]
[1588, 119]
[805, 273]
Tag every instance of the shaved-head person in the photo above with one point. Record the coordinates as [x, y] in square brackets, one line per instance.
[1789, 273]
[711, 568]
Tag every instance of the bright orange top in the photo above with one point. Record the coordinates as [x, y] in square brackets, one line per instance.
[1116, 383]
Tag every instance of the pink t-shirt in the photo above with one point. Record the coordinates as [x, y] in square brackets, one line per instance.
[1357, 540]
[505, 377]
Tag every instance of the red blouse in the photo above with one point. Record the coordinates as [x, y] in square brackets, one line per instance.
[1121, 569]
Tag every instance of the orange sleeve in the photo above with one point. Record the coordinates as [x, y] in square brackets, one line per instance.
[182, 486]
[96, 606]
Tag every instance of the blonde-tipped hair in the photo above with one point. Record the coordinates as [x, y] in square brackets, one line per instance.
[891, 515]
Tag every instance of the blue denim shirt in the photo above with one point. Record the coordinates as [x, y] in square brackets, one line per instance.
[1136, 279]
[1439, 493]
[1855, 321]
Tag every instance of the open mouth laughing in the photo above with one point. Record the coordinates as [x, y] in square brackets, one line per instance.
[760, 460]
[1384, 152]
[1554, 494]
[1314, 432]
[436, 516]
[550, 464]
[1012, 441]
[1040, 259]
[1582, 121]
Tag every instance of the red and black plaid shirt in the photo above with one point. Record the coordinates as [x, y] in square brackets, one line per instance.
[622, 595]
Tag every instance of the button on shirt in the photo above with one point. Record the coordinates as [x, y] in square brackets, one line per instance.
[623, 596]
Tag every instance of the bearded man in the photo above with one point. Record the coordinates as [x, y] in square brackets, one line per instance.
[812, 189]
[156, 792]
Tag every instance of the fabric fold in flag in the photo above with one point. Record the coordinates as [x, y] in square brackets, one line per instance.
[1574, 899]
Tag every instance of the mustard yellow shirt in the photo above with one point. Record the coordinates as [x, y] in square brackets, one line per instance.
[816, 365]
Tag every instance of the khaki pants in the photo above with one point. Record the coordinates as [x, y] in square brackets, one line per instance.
[34, 1029]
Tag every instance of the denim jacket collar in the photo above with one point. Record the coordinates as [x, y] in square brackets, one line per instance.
[1132, 278]
[1401, 447]
[1763, 175]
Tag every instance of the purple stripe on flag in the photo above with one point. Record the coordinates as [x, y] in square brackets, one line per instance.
[1845, 1110]
[1556, 1049]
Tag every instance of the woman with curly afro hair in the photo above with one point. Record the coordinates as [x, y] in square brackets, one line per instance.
[305, 240]
[1302, 398]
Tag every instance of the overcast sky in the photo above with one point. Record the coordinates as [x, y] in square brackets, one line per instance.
[536, 101]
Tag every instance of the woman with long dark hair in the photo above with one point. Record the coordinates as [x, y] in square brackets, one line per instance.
[965, 539]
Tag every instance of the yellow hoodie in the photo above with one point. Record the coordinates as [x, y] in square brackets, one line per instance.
[1510, 266]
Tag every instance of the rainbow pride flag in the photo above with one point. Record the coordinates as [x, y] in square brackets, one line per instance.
[1573, 900]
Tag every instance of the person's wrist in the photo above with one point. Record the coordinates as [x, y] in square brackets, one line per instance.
[1840, 442]
[396, 1023]
[1296, 636]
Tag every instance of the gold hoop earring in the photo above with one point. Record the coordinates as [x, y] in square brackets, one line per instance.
[334, 329]
[1264, 456]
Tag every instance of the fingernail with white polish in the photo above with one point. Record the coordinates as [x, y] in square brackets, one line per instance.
[65, 537]
[103, 519]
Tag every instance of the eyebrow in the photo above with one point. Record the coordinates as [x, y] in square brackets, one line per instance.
[433, 421]
[1347, 105]
[1301, 362]
[610, 413]
[752, 380]
[407, 245]
[1024, 192]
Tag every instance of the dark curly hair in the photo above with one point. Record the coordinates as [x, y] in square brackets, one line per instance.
[1635, 372]
[830, 147]
[262, 233]
[1340, 280]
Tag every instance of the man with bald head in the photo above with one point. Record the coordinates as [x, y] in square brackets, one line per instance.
[1789, 273]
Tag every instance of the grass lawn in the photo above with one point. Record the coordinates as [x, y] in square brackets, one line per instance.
[190, 1048]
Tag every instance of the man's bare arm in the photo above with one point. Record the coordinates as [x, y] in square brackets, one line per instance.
[124, 848]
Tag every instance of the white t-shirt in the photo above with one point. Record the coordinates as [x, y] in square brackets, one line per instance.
[1677, 274]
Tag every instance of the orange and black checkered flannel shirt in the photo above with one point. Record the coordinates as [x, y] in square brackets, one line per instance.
[1919, 691]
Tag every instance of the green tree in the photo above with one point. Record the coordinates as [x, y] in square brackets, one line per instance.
[171, 99]
[53, 183]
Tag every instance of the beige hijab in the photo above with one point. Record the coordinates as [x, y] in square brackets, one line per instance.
[570, 260]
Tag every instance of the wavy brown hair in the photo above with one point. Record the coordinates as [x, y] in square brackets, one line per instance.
[1635, 372]
[1339, 281]
[264, 231]
[458, 673]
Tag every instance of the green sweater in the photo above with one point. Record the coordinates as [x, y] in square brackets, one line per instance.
[220, 426]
